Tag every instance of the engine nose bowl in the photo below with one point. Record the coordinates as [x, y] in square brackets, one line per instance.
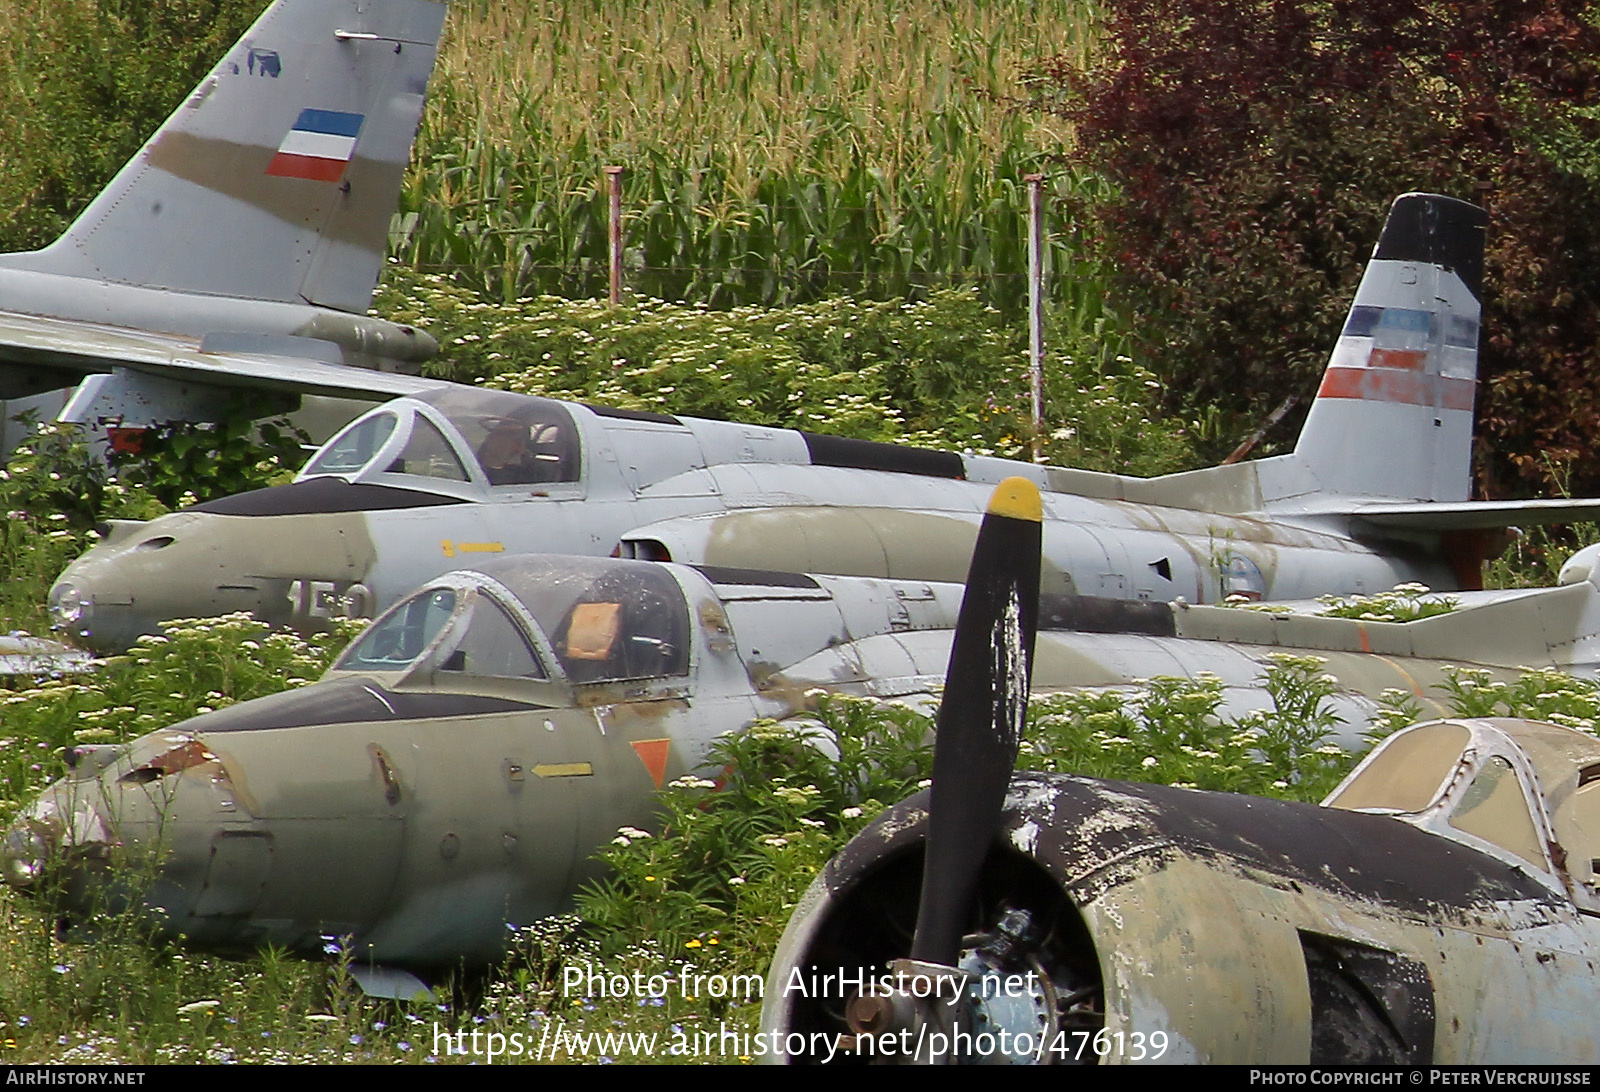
[1041, 988]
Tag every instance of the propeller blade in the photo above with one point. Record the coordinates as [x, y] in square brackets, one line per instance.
[980, 721]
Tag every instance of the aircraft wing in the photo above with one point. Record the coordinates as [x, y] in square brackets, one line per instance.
[38, 354]
[21, 654]
[1474, 515]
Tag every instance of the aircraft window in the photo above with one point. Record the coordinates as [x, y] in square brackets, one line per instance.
[605, 618]
[517, 440]
[1406, 773]
[1494, 809]
[524, 453]
[427, 454]
[632, 626]
[1582, 838]
[353, 448]
[494, 646]
[402, 635]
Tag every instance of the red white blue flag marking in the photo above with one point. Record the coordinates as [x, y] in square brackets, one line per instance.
[319, 147]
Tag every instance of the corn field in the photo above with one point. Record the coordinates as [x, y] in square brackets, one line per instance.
[773, 152]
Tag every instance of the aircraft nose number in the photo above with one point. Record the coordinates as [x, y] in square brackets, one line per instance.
[329, 599]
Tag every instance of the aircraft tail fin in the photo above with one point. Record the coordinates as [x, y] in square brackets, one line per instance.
[1393, 416]
[277, 177]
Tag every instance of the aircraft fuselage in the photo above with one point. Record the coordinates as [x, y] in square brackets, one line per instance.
[404, 495]
[1431, 913]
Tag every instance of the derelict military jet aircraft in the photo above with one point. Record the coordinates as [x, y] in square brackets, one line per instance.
[1374, 494]
[1441, 907]
[468, 753]
[457, 767]
[239, 248]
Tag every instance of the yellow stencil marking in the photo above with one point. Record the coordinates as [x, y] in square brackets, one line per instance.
[563, 769]
[451, 549]
[1416, 690]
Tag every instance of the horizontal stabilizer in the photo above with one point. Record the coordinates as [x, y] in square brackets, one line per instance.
[1475, 515]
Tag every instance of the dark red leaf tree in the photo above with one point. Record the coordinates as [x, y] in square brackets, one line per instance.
[1256, 145]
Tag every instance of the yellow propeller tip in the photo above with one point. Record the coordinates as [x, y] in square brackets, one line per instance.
[1017, 498]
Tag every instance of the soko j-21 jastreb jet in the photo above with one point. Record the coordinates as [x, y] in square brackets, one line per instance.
[1441, 907]
[456, 769]
[239, 248]
[1374, 494]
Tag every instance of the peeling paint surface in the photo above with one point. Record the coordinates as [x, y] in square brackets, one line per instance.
[1259, 931]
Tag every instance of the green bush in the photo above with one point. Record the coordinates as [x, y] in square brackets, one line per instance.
[730, 859]
[948, 372]
[83, 84]
[1254, 147]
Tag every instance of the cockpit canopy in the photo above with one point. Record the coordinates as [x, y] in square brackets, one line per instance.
[594, 620]
[477, 438]
[1518, 787]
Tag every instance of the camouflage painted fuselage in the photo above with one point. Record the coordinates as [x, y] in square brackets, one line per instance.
[1204, 927]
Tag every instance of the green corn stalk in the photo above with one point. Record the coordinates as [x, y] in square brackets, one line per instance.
[773, 154]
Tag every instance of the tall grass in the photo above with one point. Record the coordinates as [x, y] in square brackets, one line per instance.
[773, 152]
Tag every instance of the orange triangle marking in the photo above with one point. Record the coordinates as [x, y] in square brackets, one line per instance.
[653, 753]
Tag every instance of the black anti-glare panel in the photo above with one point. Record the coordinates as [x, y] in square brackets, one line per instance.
[321, 495]
[870, 455]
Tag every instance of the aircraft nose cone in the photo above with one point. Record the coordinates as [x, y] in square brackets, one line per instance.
[62, 826]
[201, 563]
[130, 826]
[90, 612]
[24, 852]
[138, 576]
